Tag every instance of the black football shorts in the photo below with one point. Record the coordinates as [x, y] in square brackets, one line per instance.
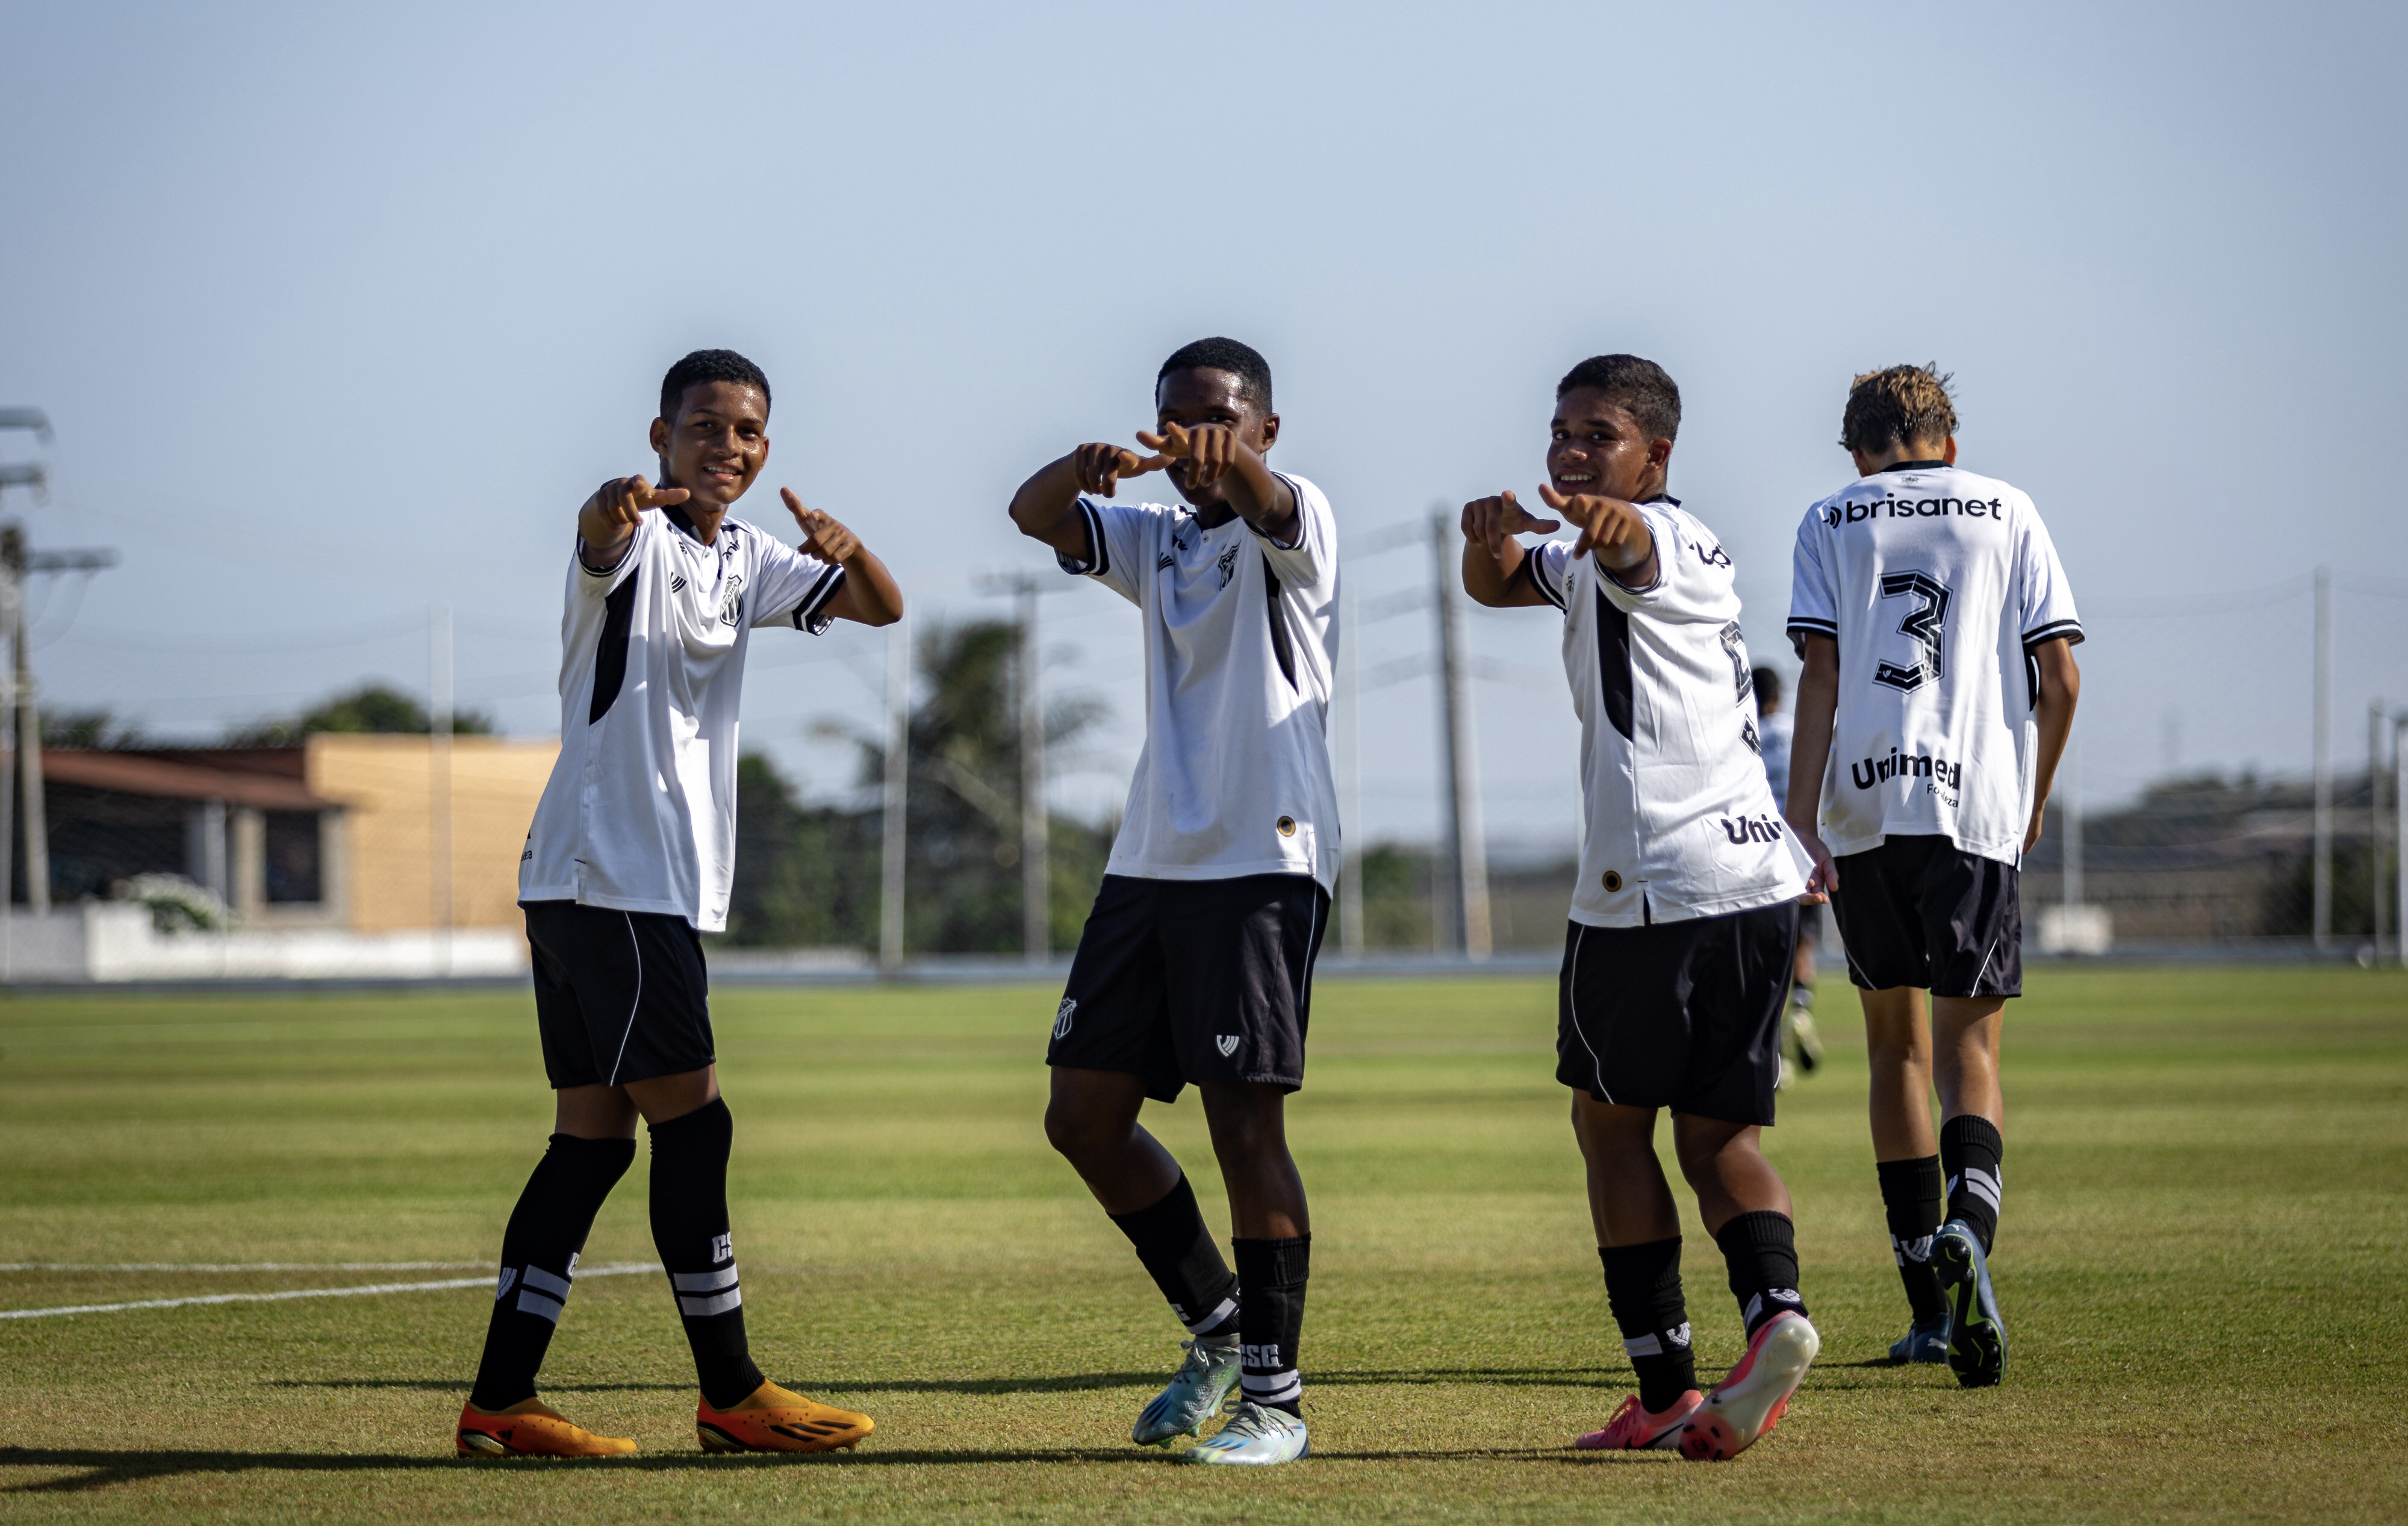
[1180, 980]
[1680, 1015]
[620, 996]
[1920, 912]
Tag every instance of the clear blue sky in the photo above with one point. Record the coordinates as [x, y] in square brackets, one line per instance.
[340, 310]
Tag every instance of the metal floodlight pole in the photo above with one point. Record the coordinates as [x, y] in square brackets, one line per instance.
[2399, 829]
[1036, 825]
[29, 729]
[2375, 716]
[1467, 842]
[898, 793]
[1350, 777]
[11, 593]
[438, 794]
[2321, 921]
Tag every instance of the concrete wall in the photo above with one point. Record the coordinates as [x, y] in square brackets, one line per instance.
[106, 941]
[383, 866]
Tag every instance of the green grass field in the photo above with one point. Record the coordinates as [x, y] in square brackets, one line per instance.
[2201, 1268]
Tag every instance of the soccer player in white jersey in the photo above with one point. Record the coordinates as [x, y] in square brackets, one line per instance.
[629, 859]
[1196, 962]
[1937, 630]
[1685, 921]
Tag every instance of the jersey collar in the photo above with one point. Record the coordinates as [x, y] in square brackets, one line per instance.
[679, 517]
[1662, 498]
[1911, 466]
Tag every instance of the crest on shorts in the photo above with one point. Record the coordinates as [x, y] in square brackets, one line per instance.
[1226, 1043]
[1062, 1017]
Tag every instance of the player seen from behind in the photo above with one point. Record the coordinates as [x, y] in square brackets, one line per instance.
[1937, 630]
[1195, 964]
[1684, 922]
[1801, 1044]
[631, 858]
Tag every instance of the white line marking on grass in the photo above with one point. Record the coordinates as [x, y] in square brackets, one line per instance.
[242, 1266]
[624, 1269]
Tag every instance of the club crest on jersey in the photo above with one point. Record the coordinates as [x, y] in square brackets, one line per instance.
[1228, 564]
[1226, 1043]
[731, 600]
[1751, 829]
[1062, 1017]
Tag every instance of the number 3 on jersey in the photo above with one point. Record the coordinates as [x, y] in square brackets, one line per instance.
[1922, 625]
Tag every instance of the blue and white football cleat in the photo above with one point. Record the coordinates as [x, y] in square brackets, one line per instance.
[1257, 1436]
[1196, 1393]
[1977, 1336]
[1927, 1342]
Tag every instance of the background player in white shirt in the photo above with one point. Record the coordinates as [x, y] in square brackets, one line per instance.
[1684, 922]
[627, 861]
[1801, 1045]
[1196, 962]
[1937, 632]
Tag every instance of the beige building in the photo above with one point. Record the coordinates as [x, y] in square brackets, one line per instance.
[347, 831]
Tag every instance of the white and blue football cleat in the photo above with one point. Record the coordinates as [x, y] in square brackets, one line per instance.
[1977, 1336]
[1257, 1436]
[1927, 1342]
[1196, 1393]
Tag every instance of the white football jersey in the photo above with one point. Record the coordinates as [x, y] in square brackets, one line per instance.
[1681, 823]
[1936, 584]
[1240, 636]
[639, 813]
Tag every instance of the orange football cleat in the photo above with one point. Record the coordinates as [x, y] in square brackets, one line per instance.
[773, 1419]
[531, 1428]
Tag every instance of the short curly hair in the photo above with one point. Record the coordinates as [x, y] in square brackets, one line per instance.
[708, 366]
[1241, 360]
[1903, 405]
[1643, 387]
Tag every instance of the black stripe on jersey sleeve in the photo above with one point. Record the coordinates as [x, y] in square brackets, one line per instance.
[611, 659]
[1800, 627]
[1614, 662]
[2070, 630]
[1098, 560]
[1538, 579]
[811, 614]
[1282, 647]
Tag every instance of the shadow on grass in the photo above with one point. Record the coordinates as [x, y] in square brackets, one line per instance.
[1587, 1377]
[107, 1469]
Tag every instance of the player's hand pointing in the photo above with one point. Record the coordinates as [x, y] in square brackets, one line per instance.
[823, 537]
[1100, 467]
[605, 521]
[1490, 523]
[1614, 530]
[1209, 449]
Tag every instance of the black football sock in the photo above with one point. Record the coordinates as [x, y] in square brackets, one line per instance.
[1911, 1195]
[1271, 1318]
[1643, 1287]
[539, 1250]
[690, 1230]
[1179, 1252]
[1760, 1249]
[1970, 1149]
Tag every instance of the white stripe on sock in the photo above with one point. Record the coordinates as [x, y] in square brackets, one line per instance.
[1197, 1327]
[531, 1302]
[1273, 1388]
[1983, 1185]
[704, 1282]
[1642, 1345]
[535, 1276]
[702, 1308]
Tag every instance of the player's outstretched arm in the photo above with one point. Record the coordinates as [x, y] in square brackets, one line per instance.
[869, 595]
[1810, 754]
[606, 522]
[2060, 691]
[1615, 532]
[1492, 557]
[1213, 452]
[1046, 507]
